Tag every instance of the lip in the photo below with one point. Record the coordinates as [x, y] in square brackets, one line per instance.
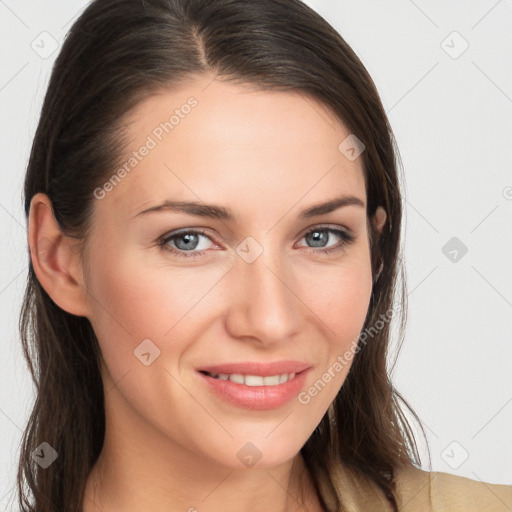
[256, 398]
[256, 368]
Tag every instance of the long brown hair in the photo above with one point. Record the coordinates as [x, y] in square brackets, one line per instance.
[117, 53]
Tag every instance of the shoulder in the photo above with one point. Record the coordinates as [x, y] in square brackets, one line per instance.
[420, 490]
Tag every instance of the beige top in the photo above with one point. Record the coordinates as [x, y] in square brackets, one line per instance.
[422, 491]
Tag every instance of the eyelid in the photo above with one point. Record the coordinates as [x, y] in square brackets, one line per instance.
[335, 227]
[163, 241]
[346, 235]
[304, 232]
[184, 231]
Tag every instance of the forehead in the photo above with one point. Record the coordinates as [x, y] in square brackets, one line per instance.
[233, 144]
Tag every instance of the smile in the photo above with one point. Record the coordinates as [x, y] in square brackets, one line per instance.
[253, 380]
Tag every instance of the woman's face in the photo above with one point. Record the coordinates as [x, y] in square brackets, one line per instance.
[255, 286]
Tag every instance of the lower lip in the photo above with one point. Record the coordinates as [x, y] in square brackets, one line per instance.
[257, 398]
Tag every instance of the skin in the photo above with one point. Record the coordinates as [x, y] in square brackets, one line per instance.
[170, 443]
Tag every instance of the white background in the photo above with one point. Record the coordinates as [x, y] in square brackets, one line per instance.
[453, 121]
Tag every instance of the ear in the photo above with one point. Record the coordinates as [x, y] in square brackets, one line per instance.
[379, 219]
[56, 258]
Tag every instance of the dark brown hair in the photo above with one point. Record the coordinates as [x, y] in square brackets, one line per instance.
[117, 53]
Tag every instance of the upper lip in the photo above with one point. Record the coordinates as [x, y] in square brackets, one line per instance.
[255, 368]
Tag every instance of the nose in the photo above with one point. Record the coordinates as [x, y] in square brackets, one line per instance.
[264, 305]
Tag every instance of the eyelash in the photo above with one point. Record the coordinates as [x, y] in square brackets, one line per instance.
[346, 239]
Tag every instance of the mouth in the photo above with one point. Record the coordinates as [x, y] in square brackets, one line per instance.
[257, 390]
[275, 369]
[253, 380]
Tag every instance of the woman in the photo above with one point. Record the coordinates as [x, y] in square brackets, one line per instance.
[214, 216]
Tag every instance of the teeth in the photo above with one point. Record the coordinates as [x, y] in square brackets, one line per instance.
[254, 380]
[236, 377]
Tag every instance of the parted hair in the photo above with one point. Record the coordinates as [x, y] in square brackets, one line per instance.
[119, 52]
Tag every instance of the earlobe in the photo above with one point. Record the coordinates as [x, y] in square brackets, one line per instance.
[55, 258]
[379, 219]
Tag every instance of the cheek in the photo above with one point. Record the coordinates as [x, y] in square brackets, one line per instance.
[348, 309]
[341, 299]
[340, 296]
[132, 301]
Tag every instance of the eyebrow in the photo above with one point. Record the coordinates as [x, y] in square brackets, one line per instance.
[220, 212]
